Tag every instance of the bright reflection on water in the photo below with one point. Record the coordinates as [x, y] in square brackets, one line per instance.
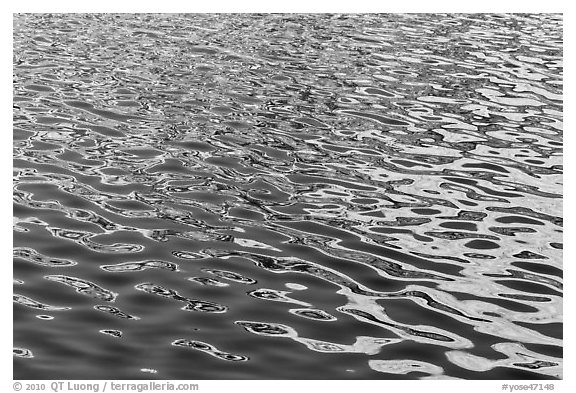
[287, 196]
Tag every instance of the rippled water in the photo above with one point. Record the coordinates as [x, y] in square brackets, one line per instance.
[287, 196]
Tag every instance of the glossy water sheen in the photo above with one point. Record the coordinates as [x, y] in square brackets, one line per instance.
[287, 196]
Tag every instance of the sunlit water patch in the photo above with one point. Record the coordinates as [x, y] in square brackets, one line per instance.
[280, 196]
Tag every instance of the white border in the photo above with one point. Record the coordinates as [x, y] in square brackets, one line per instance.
[301, 6]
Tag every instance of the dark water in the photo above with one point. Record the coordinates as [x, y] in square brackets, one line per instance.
[287, 196]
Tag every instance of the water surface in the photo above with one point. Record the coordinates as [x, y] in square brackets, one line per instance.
[287, 196]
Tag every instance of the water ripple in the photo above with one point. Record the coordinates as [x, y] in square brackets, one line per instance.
[395, 178]
[84, 287]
